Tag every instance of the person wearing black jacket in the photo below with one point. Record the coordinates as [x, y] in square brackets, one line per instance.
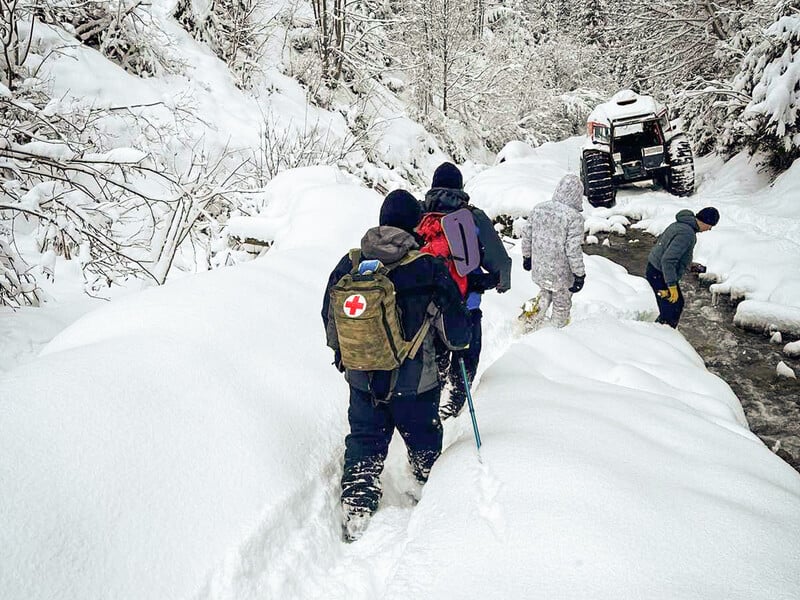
[445, 196]
[412, 404]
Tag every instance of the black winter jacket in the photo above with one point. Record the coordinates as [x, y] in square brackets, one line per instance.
[494, 257]
[417, 284]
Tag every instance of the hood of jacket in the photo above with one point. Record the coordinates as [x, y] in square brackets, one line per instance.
[687, 217]
[569, 191]
[445, 200]
[387, 244]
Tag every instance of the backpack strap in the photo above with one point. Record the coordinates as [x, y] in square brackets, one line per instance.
[410, 257]
[392, 383]
[416, 341]
[355, 260]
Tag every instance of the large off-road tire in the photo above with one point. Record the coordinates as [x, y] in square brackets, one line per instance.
[597, 171]
[680, 175]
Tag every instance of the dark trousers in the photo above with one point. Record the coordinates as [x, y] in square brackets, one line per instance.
[416, 417]
[450, 369]
[668, 312]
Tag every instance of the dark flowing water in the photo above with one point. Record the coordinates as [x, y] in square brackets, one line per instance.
[745, 359]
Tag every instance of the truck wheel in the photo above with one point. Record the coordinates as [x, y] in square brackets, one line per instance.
[680, 176]
[597, 171]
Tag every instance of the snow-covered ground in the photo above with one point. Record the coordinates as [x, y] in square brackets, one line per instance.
[186, 442]
[753, 253]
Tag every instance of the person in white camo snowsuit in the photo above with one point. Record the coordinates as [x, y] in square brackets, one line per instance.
[551, 250]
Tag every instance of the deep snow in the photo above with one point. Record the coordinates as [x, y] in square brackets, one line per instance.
[186, 442]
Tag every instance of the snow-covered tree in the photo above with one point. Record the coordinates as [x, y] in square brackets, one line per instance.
[235, 30]
[594, 20]
[122, 30]
[770, 77]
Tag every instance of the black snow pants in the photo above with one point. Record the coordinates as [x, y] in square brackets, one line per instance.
[668, 313]
[450, 369]
[416, 417]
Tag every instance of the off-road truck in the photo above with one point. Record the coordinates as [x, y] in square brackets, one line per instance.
[630, 138]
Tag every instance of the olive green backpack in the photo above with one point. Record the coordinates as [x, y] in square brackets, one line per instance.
[367, 319]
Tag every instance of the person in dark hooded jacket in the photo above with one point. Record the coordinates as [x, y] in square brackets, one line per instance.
[412, 404]
[670, 257]
[445, 196]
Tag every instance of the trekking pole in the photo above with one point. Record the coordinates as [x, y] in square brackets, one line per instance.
[471, 407]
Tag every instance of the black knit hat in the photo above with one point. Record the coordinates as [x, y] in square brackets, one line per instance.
[448, 176]
[400, 209]
[708, 215]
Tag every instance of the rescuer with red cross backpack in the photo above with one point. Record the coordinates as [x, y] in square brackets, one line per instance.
[384, 305]
[464, 236]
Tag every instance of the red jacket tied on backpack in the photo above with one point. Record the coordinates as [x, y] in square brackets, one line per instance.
[430, 228]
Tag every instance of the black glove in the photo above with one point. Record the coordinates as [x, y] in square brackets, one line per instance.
[505, 283]
[526, 263]
[697, 268]
[337, 361]
[480, 282]
[577, 284]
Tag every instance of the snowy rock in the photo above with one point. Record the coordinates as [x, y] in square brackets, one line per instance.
[618, 228]
[619, 219]
[776, 338]
[606, 243]
[592, 239]
[518, 226]
[792, 349]
[263, 230]
[759, 315]
[513, 150]
[785, 370]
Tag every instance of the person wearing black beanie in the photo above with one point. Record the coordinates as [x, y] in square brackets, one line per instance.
[671, 256]
[447, 176]
[708, 216]
[494, 272]
[400, 209]
[406, 398]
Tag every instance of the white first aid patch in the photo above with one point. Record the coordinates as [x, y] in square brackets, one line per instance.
[355, 305]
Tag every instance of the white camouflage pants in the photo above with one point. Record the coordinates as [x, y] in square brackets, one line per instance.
[561, 302]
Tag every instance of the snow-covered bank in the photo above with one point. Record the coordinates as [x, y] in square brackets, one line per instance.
[754, 252]
[615, 466]
[186, 442]
[155, 434]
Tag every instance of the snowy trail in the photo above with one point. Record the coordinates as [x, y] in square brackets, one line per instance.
[297, 552]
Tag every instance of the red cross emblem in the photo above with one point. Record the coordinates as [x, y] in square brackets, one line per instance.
[354, 305]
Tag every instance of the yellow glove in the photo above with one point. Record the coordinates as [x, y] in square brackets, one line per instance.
[672, 297]
[671, 294]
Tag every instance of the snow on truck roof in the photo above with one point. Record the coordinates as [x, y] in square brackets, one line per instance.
[624, 105]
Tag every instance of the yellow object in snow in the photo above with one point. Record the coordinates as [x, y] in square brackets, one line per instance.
[530, 309]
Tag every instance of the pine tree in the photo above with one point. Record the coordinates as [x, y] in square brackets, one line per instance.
[770, 76]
